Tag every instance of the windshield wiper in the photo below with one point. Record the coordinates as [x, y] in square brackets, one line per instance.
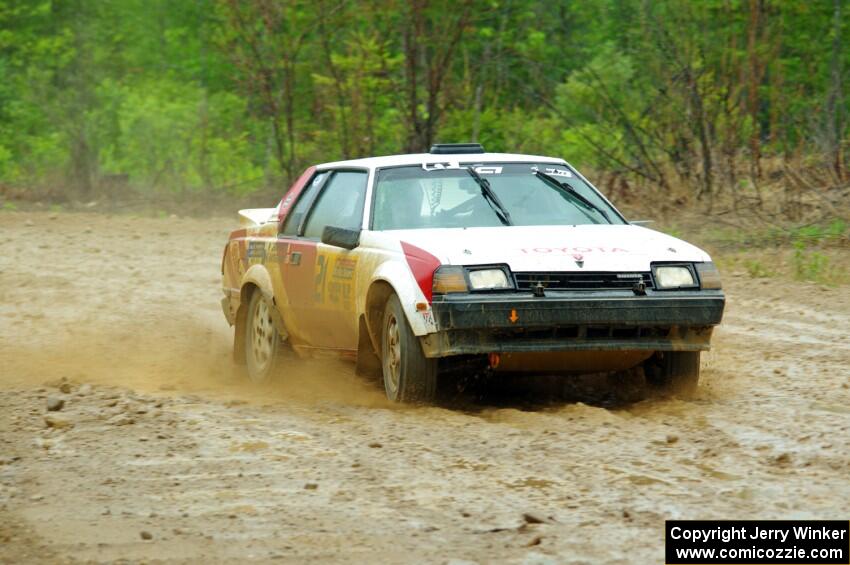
[491, 197]
[568, 189]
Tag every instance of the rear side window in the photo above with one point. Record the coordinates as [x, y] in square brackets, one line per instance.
[296, 214]
[340, 204]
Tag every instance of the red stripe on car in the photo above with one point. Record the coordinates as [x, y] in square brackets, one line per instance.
[237, 234]
[422, 264]
[292, 194]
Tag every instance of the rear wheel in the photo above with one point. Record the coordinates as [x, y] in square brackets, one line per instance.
[409, 376]
[674, 371]
[262, 341]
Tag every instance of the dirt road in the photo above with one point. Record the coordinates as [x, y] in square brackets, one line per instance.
[161, 452]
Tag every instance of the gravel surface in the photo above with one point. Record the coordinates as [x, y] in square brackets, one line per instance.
[127, 435]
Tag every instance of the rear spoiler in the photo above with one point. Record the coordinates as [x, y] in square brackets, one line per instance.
[256, 216]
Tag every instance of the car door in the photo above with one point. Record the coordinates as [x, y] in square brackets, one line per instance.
[325, 310]
[296, 257]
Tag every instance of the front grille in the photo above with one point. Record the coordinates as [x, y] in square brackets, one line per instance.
[582, 281]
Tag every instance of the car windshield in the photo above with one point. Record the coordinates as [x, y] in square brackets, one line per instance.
[437, 196]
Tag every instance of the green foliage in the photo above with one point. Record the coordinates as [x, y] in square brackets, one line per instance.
[832, 233]
[593, 134]
[757, 269]
[811, 265]
[238, 95]
[813, 234]
[152, 136]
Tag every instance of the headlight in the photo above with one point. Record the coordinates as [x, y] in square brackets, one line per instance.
[674, 276]
[709, 276]
[448, 279]
[488, 279]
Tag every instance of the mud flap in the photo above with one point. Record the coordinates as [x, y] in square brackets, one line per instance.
[239, 334]
[368, 363]
[277, 319]
[674, 371]
[225, 307]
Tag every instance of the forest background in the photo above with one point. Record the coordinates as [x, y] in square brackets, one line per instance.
[733, 108]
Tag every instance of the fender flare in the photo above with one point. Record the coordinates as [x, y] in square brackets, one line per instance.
[398, 277]
[259, 276]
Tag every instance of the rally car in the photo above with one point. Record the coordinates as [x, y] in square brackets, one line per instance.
[458, 259]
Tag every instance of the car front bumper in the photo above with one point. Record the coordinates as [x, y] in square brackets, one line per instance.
[574, 321]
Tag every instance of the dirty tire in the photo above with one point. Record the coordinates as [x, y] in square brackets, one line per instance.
[409, 376]
[262, 341]
[676, 372]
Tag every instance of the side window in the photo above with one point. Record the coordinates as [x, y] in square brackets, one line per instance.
[293, 219]
[340, 204]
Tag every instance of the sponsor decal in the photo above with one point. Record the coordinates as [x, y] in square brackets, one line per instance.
[334, 283]
[241, 256]
[553, 172]
[321, 273]
[272, 252]
[286, 202]
[436, 166]
[344, 268]
[558, 172]
[488, 170]
[256, 251]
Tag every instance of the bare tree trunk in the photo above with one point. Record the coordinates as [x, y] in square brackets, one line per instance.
[430, 51]
[203, 109]
[756, 69]
[289, 113]
[338, 89]
[836, 95]
[476, 111]
[75, 81]
[412, 37]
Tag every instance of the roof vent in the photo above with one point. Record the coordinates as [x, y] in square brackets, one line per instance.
[456, 148]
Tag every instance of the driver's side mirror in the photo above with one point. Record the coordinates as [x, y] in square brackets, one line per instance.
[341, 237]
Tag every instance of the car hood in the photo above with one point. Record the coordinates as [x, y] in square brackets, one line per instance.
[554, 248]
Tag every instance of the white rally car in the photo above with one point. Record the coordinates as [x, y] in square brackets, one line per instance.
[415, 265]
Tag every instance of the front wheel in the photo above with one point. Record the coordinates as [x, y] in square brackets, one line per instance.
[262, 340]
[409, 376]
[674, 371]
